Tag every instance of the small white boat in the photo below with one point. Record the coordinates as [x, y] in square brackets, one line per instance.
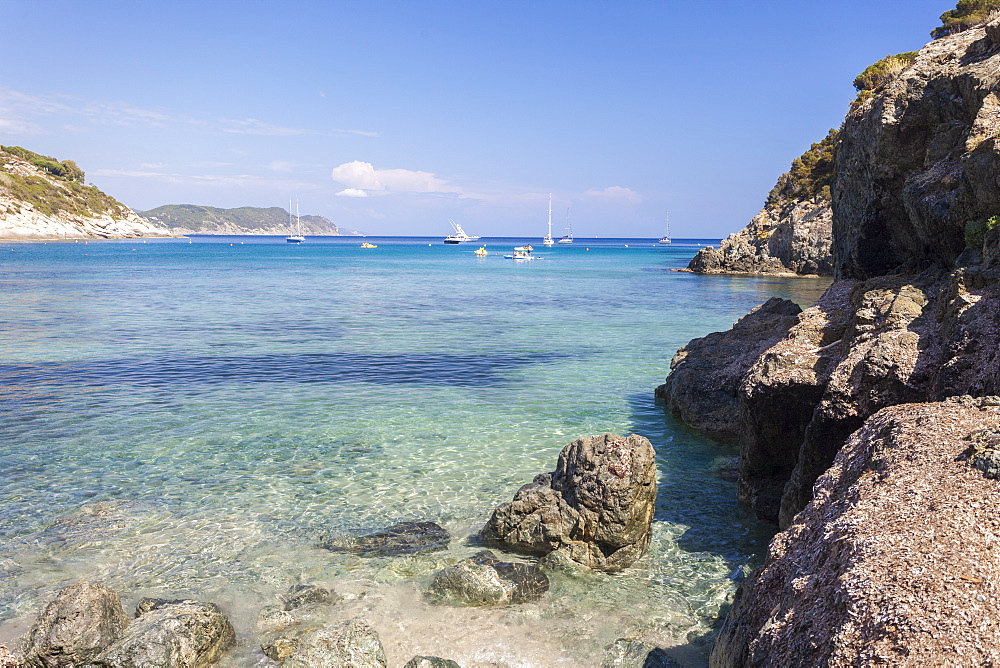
[481, 251]
[665, 239]
[459, 235]
[369, 245]
[520, 255]
[296, 238]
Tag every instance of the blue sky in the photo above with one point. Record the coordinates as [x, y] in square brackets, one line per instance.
[393, 117]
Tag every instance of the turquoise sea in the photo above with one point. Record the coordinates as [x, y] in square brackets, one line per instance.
[188, 418]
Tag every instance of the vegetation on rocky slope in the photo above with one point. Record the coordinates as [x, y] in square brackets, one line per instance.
[967, 14]
[57, 186]
[810, 175]
[878, 73]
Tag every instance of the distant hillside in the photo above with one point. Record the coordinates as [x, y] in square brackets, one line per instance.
[194, 219]
[44, 198]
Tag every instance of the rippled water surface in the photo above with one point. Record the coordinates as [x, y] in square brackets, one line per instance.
[190, 419]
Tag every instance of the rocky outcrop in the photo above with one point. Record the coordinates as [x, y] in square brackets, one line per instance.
[172, 633]
[38, 203]
[482, 579]
[786, 238]
[75, 627]
[873, 565]
[919, 161]
[894, 561]
[792, 233]
[596, 508]
[705, 374]
[86, 625]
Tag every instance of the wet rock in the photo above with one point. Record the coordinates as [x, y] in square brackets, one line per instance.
[274, 618]
[280, 649]
[483, 580]
[83, 619]
[430, 662]
[625, 653]
[306, 594]
[354, 644]
[702, 388]
[402, 538]
[168, 633]
[596, 507]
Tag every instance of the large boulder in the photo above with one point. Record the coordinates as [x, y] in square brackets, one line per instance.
[83, 619]
[485, 580]
[596, 508]
[705, 374]
[894, 560]
[168, 634]
[399, 539]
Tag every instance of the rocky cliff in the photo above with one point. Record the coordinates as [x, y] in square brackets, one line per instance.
[193, 219]
[882, 558]
[41, 198]
[792, 233]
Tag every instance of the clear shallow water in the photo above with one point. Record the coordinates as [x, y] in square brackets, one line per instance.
[190, 419]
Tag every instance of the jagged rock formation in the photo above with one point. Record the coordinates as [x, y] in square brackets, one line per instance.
[893, 563]
[792, 233]
[596, 508]
[702, 388]
[183, 219]
[914, 316]
[790, 239]
[41, 198]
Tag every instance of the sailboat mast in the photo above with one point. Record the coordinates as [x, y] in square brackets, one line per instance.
[550, 216]
[298, 219]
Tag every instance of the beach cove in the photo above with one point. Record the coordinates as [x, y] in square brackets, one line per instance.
[192, 419]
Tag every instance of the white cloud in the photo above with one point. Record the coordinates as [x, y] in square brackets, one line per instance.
[363, 176]
[616, 193]
[352, 192]
[280, 166]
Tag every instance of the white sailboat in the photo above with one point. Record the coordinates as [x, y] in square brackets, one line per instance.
[547, 241]
[568, 237]
[665, 239]
[296, 238]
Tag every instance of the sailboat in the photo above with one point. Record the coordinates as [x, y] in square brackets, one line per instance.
[296, 238]
[568, 237]
[547, 241]
[665, 239]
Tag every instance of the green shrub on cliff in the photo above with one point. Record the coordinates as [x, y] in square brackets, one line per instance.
[63, 192]
[975, 230]
[66, 170]
[878, 73]
[967, 14]
[810, 175]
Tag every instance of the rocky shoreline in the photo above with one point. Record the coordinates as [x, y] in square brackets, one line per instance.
[594, 511]
[867, 424]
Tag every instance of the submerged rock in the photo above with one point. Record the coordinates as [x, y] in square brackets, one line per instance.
[169, 633]
[625, 653]
[306, 594]
[430, 662]
[485, 580]
[83, 619]
[402, 538]
[596, 507]
[354, 644]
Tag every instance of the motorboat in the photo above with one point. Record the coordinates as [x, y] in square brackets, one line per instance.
[459, 236]
[481, 251]
[369, 245]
